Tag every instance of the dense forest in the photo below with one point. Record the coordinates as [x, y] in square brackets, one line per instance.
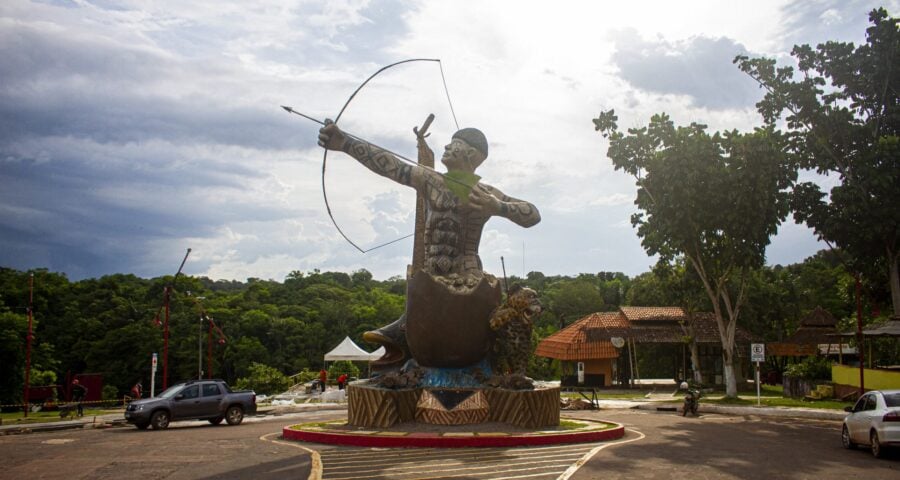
[109, 325]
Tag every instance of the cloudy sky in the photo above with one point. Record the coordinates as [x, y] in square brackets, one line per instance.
[133, 130]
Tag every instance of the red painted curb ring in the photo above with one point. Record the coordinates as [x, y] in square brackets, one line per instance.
[416, 441]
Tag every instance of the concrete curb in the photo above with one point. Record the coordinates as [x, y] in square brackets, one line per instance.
[783, 412]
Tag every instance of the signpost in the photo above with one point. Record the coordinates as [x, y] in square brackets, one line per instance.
[153, 376]
[757, 355]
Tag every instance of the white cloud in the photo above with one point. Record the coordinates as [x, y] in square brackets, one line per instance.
[155, 126]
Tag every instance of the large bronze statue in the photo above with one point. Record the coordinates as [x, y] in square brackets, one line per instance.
[449, 297]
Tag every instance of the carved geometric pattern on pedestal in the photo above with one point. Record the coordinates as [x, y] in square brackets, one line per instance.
[430, 409]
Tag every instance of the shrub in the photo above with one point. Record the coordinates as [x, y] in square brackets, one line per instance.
[264, 379]
[811, 368]
[109, 392]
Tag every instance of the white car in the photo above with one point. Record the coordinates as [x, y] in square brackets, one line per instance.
[873, 421]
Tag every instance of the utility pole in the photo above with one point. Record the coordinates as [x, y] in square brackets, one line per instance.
[28, 339]
[167, 293]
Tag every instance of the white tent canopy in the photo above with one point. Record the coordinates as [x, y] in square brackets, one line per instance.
[347, 350]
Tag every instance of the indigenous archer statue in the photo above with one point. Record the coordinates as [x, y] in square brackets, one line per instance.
[449, 297]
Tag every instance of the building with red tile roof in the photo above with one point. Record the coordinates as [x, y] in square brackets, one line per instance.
[589, 340]
[571, 344]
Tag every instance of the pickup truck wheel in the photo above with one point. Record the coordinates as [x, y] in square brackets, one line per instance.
[142, 426]
[216, 420]
[234, 415]
[160, 420]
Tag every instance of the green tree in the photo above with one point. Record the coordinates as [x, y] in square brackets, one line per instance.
[13, 329]
[682, 171]
[571, 299]
[264, 379]
[843, 118]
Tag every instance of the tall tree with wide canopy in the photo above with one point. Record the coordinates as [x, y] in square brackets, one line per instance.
[713, 199]
[843, 117]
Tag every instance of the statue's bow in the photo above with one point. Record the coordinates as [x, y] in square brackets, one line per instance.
[338, 117]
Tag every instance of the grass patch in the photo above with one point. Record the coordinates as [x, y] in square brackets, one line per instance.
[601, 395]
[18, 418]
[570, 425]
[328, 424]
[773, 401]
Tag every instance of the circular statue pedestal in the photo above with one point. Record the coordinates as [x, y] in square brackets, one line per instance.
[412, 435]
[374, 407]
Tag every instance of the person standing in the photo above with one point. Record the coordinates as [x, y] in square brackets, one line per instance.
[323, 377]
[79, 393]
[137, 390]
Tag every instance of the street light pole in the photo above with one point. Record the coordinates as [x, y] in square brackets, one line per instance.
[28, 340]
[209, 361]
[860, 338]
[200, 351]
[166, 340]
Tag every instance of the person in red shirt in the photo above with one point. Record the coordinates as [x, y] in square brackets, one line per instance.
[323, 377]
[342, 380]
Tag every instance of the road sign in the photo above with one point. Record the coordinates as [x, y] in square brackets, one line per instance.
[758, 352]
[153, 376]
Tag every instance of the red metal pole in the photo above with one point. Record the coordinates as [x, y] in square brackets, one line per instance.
[209, 365]
[859, 337]
[28, 339]
[166, 340]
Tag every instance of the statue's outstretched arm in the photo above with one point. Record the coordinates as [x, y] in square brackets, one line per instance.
[375, 159]
[498, 203]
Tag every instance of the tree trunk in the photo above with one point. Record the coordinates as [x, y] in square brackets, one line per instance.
[695, 362]
[689, 331]
[894, 274]
[730, 379]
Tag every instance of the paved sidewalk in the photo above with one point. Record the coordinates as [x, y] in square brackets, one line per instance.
[118, 419]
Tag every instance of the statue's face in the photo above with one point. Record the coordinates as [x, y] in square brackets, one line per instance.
[456, 155]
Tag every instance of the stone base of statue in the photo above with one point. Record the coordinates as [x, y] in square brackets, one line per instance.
[370, 406]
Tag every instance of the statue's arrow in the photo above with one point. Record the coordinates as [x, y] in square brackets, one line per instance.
[291, 110]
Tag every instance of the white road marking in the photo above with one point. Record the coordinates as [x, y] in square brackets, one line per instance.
[315, 471]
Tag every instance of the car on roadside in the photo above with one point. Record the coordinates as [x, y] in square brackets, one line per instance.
[210, 400]
[874, 421]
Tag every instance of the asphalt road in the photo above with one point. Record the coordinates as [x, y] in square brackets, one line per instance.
[186, 450]
[656, 445]
[666, 445]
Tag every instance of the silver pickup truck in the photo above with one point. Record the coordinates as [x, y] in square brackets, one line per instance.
[210, 400]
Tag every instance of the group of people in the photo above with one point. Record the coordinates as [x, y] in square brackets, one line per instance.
[80, 391]
[323, 380]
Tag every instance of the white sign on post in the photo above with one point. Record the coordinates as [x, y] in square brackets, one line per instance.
[757, 355]
[153, 377]
[758, 352]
